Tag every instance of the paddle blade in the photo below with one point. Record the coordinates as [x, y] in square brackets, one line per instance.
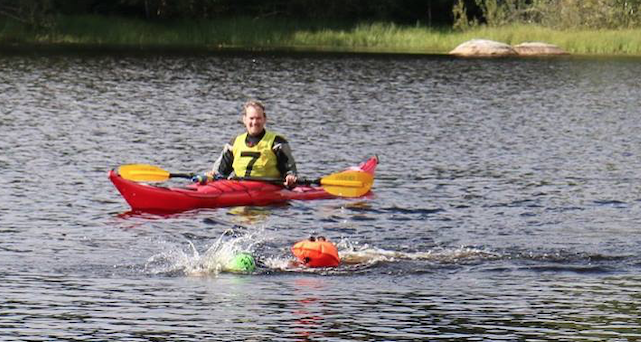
[143, 173]
[351, 183]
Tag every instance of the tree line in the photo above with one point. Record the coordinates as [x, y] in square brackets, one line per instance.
[401, 11]
[459, 14]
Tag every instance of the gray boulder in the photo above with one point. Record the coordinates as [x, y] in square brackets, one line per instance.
[538, 49]
[483, 48]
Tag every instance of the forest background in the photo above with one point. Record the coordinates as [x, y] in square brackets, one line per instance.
[414, 26]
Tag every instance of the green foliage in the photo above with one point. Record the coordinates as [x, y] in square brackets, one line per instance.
[588, 26]
[591, 14]
[169, 9]
[559, 14]
[461, 14]
[397, 11]
[271, 33]
[35, 13]
[461, 19]
[502, 12]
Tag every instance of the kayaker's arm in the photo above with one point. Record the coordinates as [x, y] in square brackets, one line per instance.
[285, 159]
[223, 165]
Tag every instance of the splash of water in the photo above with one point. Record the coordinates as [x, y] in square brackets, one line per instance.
[351, 253]
[211, 262]
[354, 256]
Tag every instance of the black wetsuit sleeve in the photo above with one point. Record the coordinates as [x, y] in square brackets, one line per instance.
[225, 161]
[284, 159]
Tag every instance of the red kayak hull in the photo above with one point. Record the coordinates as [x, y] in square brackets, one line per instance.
[217, 194]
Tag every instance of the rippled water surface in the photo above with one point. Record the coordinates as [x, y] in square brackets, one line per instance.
[506, 204]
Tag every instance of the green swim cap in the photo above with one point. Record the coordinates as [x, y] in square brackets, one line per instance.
[242, 262]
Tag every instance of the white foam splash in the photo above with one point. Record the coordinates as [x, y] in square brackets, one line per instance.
[351, 253]
[211, 262]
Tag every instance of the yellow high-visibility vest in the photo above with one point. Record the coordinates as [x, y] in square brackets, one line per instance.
[256, 161]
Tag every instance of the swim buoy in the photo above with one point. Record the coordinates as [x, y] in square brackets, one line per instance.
[316, 252]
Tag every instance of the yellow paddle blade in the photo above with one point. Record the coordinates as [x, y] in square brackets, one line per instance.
[143, 173]
[352, 183]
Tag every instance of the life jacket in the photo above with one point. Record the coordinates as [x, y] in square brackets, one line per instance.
[256, 161]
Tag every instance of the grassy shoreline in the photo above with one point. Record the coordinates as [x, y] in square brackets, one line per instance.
[93, 32]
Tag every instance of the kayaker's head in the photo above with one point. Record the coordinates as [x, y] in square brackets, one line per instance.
[254, 117]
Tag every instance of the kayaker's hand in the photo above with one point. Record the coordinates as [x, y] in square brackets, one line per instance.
[212, 175]
[200, 178]
[290, 180]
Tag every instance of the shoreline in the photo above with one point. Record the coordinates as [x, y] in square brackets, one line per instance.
[181, 49]
[102, 34]
[94, 49]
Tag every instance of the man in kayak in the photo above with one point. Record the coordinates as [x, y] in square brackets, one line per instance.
[257, 152]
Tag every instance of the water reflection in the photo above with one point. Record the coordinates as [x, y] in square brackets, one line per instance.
[310, 315]
[250, 215]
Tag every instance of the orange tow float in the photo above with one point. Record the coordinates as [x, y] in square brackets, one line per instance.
[316, 252]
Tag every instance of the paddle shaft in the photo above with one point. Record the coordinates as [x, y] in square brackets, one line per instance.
[181, 175]
[305, 181]
[277, 180]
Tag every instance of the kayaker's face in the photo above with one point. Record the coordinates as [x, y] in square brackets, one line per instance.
[254, 120]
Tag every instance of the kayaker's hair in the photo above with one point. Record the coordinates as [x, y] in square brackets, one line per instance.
[255, 104]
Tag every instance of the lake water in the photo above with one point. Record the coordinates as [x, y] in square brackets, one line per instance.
[507, 202]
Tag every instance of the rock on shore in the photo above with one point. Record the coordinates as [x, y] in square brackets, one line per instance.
[483, 47]
[538, 49]
[490, 48]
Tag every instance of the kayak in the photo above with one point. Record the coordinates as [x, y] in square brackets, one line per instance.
[219, 193]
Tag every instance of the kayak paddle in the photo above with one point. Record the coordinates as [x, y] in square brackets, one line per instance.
[148, 173]
[350, 183]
